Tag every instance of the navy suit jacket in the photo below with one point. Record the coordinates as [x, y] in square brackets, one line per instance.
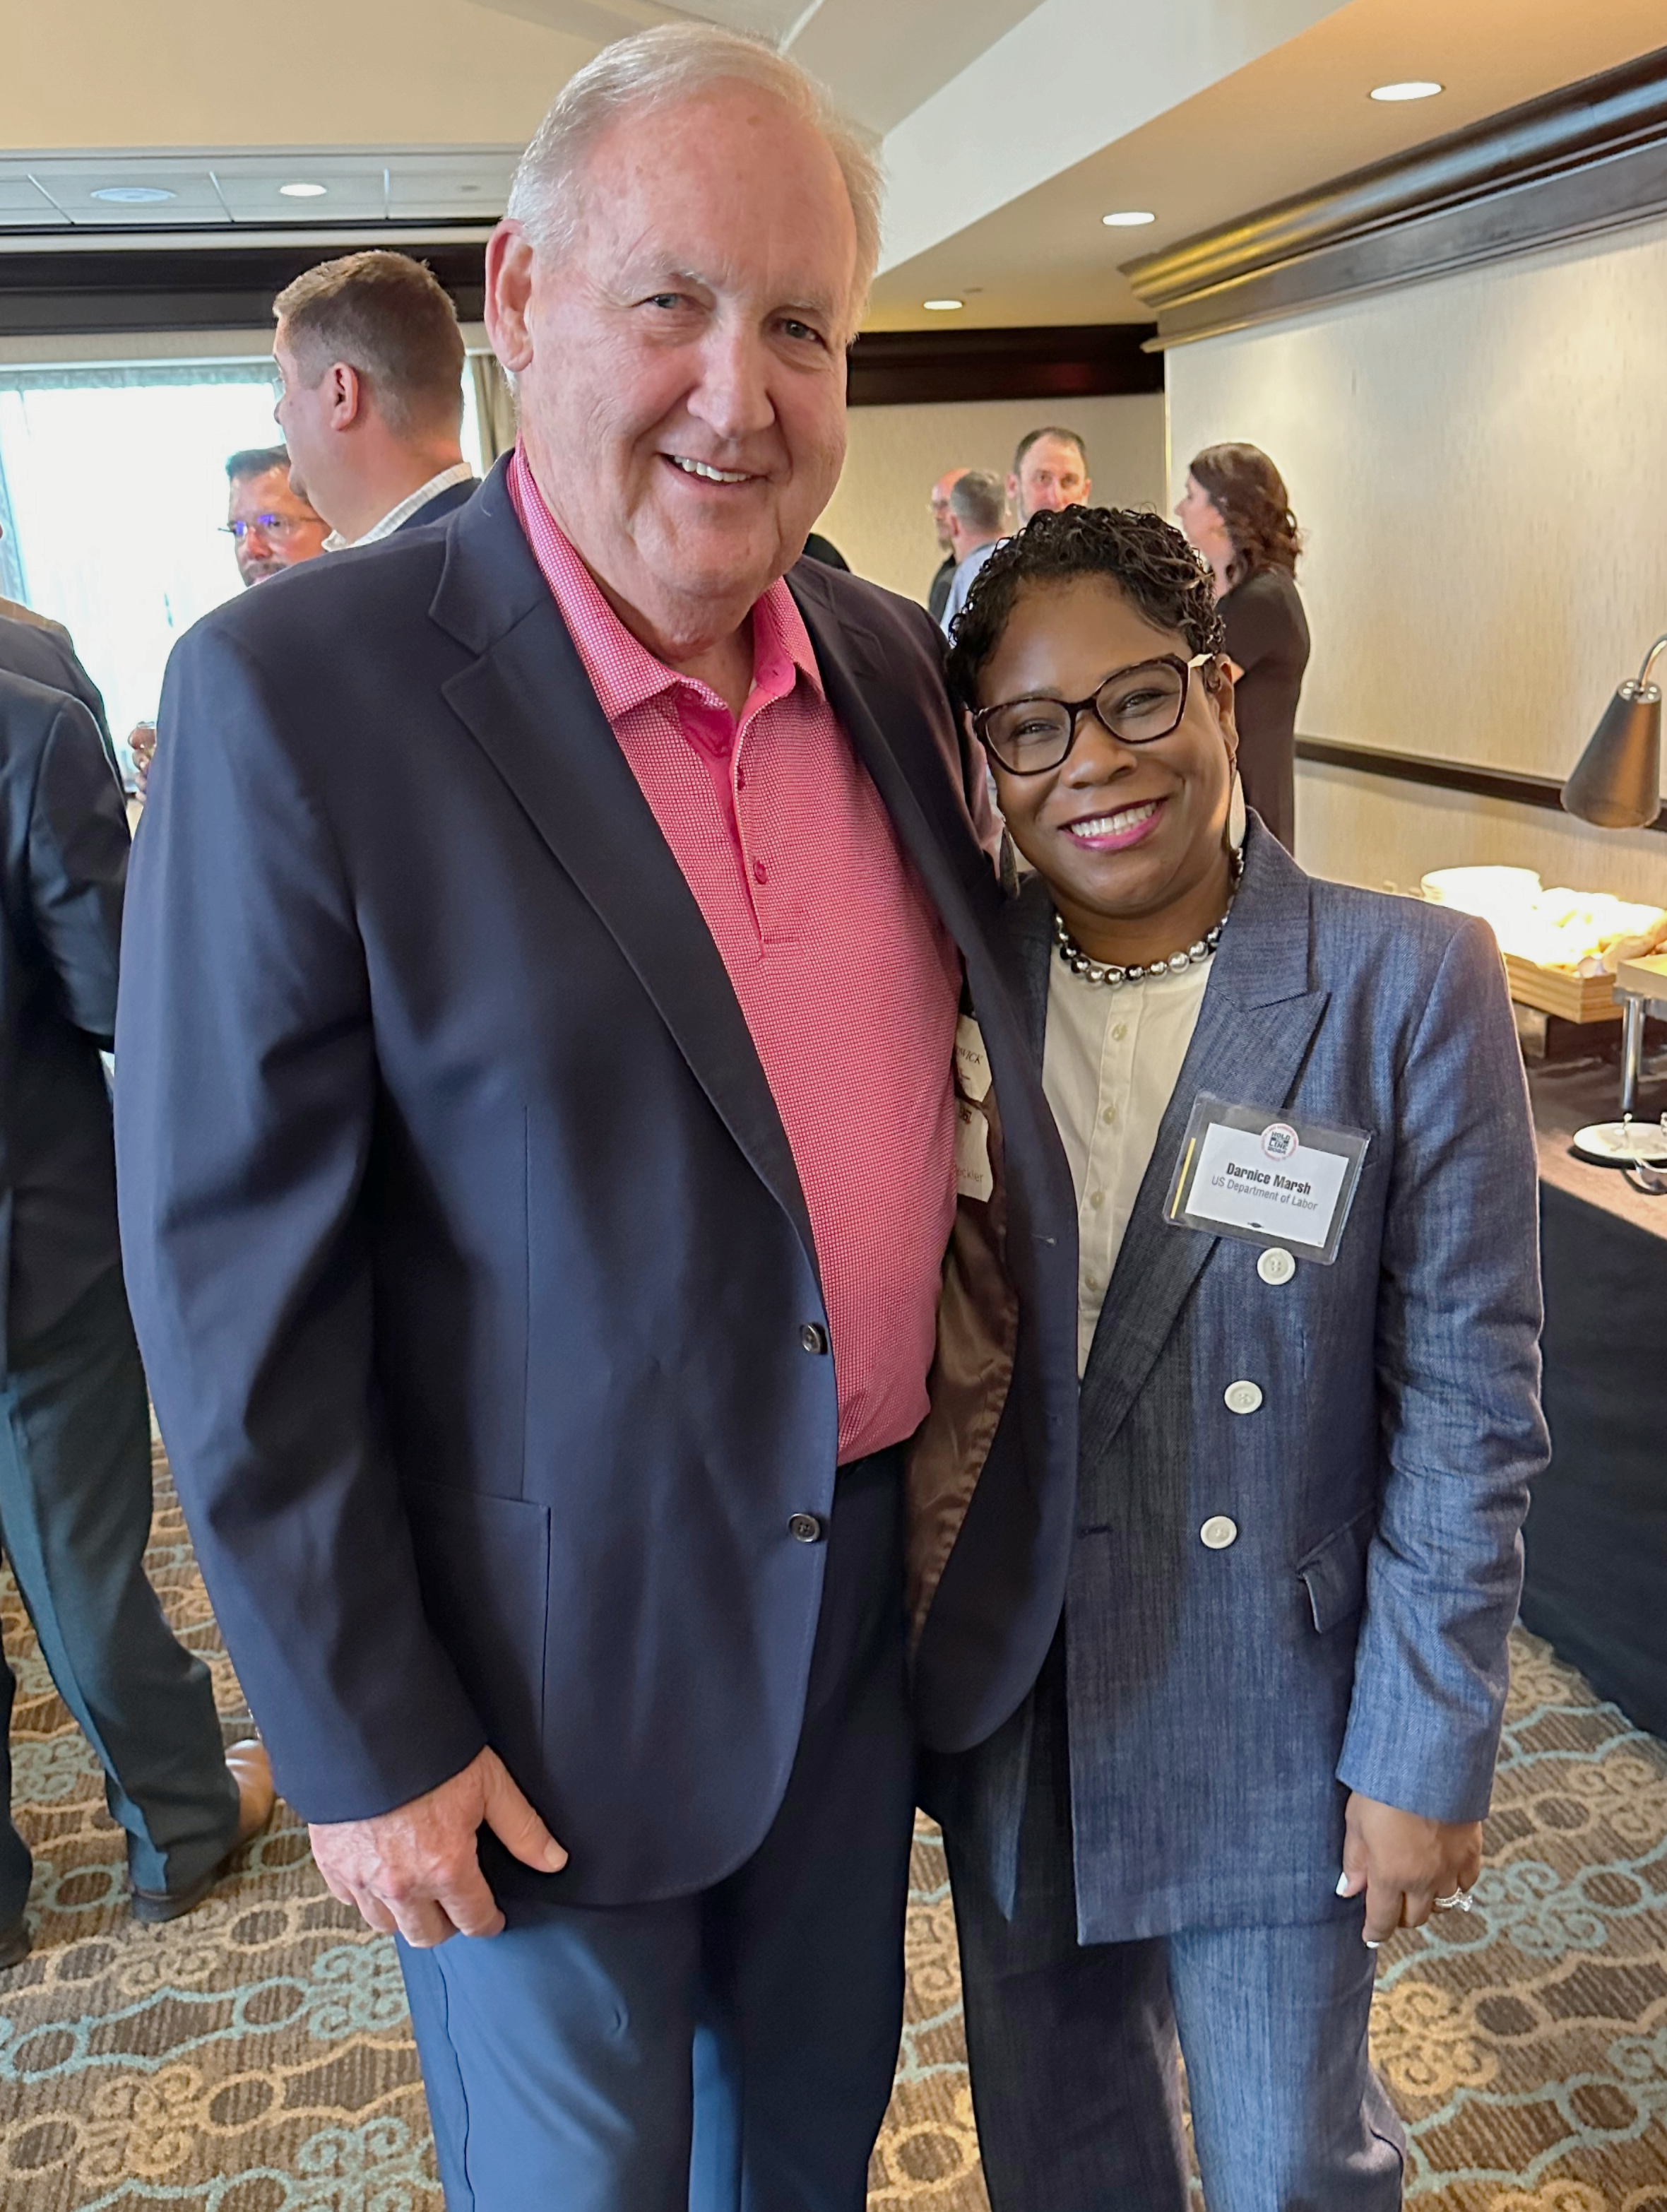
[46, 656]
[472, 1272]
[442, 504]
[62, 863]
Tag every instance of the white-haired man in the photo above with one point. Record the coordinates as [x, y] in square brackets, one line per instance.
[549, 937]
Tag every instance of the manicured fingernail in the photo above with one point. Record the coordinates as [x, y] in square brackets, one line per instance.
[1342, 1885]
[1370, 1946]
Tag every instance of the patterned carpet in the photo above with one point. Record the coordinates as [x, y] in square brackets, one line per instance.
[255, 2057]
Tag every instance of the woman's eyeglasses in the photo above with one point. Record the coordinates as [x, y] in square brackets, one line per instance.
[268, 525]
[1138, 705]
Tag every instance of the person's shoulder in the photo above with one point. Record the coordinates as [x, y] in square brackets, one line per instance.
[360, 597]
[30, 711]
[854, 599]
[1404, 941]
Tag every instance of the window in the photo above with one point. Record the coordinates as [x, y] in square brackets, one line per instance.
[113, 490]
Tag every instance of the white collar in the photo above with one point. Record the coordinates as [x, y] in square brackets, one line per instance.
[460, 472]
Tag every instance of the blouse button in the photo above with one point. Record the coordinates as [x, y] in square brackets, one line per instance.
[1242, 1397]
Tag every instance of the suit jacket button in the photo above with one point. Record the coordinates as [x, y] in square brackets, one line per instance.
[1275, 1265]
[805, 1529]
[813, 1337]
[1218, 1532]
[1242, 1397]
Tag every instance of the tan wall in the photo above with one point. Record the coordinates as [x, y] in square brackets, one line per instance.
[878, 517]
[1480, 463]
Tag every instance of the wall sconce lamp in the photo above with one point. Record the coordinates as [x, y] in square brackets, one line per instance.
[1616, 784]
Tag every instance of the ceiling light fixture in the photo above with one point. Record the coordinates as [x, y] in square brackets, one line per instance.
[303, 191]
[943, 307]
[1415, 88]
[133, 195]
[1128, 218]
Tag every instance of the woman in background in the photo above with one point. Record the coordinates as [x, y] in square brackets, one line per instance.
[1236, 512]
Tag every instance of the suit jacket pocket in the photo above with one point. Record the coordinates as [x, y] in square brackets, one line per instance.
[1334, 1572]
[484, 1565]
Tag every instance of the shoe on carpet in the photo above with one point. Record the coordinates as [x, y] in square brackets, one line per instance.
[251, 1769]
[13, 1945]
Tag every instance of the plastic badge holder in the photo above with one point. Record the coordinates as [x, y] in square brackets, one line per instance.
[1260, 1175]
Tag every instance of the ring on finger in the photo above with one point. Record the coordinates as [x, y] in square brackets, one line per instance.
[1461, 1900]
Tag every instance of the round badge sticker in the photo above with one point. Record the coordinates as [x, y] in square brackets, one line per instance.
[1280, 1140]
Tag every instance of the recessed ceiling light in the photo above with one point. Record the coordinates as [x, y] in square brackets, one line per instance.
[303, 191]
[1416, 88]
[943, 307]
[1128, 218]
[133, 195]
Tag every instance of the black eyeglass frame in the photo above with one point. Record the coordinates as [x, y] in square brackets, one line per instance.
[1078, 708]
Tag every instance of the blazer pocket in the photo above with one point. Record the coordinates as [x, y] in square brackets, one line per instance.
[1334, 1572]
[484, 1565]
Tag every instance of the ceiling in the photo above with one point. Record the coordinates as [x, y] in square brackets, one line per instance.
[1009, 127]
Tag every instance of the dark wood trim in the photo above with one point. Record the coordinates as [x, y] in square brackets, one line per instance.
[88, 291]
[1589, 157]
[1079, 361]
[1475, 782]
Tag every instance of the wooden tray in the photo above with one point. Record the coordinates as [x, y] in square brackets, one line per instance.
[1554, 991]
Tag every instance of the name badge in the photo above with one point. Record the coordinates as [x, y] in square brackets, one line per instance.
[1249, 1172]
[974, 1177]
[972, 1061]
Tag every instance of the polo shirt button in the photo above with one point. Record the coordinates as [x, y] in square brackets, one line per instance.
[813, 1337]
[1218, 1532]
[1242, 1397]
[760, 873]
[1275, 1265]
[805, 1529]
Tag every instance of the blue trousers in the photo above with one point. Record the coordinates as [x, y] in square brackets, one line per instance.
[74, 1519]
[1073, 2046]
[731, 2051]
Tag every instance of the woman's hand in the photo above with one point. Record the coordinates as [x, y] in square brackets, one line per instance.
[1404, 1863]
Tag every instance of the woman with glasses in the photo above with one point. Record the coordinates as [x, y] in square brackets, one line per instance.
[1308, 1312]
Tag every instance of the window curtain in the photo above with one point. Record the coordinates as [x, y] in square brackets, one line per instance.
[495, 406]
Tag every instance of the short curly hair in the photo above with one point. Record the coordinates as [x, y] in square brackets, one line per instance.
[1146, 557]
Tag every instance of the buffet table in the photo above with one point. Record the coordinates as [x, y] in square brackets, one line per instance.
[1597, 1533]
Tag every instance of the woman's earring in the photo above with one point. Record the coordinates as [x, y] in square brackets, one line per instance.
[1236, 817]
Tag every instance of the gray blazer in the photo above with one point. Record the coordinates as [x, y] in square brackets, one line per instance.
[1221, 1703]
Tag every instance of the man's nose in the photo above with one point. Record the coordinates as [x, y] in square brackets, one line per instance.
[733, 397]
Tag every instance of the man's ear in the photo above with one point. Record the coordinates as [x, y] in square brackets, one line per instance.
[349, 400]
[509, 296]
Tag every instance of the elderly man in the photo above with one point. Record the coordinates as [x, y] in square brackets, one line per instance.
[943, 576]
[1050, 470]
[551, 940]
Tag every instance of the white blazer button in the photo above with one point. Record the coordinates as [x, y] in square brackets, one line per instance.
[1242, 1397]
[1275, 1265]
[1218, 1532]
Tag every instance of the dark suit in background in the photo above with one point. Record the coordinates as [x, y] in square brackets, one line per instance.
[483, 1317]
[75, 1438]
[42, 652]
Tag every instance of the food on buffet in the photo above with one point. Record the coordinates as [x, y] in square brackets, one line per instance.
[1586, 932]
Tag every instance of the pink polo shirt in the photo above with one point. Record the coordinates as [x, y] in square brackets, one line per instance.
[847, 979]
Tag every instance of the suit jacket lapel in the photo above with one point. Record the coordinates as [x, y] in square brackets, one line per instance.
[1255, 1026]
[527, 703]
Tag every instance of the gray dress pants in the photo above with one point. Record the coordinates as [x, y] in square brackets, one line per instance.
[74, 1519]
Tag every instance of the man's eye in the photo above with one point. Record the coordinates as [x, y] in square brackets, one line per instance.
[795, 329]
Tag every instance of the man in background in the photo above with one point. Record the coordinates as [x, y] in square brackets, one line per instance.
[371, 361]
[271, 528]
[75, 1423]
[938, 594]
[270, 525]
[978, 523]
[1050, 470]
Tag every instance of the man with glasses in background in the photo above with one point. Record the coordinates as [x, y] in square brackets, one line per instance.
[271, 528]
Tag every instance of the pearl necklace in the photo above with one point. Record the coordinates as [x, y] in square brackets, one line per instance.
[1107, 973]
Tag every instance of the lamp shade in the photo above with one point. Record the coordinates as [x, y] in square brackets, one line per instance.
[1617, 781]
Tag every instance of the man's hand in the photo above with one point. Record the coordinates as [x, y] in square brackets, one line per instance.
[1404, 1863]
[142, 743]
[416, 1868]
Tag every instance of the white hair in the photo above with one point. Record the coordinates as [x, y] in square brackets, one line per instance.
[658, 68]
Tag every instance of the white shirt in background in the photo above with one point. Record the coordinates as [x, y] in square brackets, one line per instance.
[1111, 1061]
[460, 472]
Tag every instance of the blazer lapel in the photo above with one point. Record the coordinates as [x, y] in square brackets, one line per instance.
[527, 703]
[1256, 1025]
